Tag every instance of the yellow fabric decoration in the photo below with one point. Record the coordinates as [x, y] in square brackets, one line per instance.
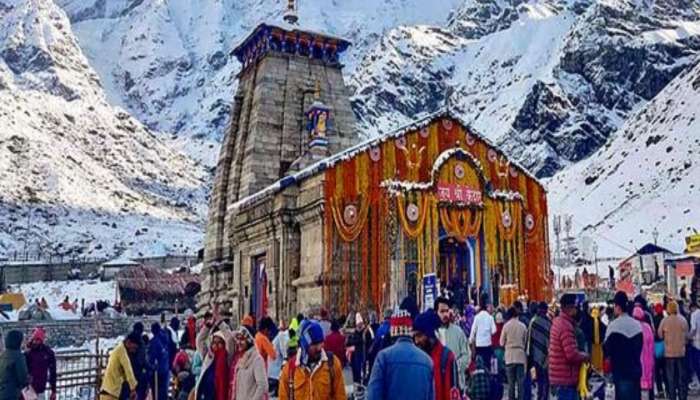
[583, 381]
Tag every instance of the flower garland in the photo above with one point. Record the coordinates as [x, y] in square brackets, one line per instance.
[461, 223]
[423, 201]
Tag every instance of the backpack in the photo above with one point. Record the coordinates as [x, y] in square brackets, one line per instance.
[292, 369]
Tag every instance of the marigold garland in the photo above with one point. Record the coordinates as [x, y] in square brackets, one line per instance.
[423, 201]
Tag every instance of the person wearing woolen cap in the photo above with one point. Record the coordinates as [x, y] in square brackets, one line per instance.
[41, 363]
[425, 327]
[623, 346]
[313, 373]
[564, 357]
[402, 370]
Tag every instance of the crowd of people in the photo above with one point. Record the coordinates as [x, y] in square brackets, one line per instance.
[476, 351]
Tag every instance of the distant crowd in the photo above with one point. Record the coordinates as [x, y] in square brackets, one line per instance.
[477, 352]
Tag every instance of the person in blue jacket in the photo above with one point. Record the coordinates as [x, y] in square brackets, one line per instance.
[402, 370]
[159, 359]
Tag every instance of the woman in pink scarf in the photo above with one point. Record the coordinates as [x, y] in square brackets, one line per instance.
[647, 357]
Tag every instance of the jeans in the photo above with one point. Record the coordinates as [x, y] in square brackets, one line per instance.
[694, 361]
[486, 353]
[565, 392]
[542, 383]
[628, 390]
[515, 373]
[676, 383]
[162, 385]
[659, 375]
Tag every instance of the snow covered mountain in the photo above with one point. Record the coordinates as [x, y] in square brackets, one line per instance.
[552, 81]
[647, 177]
[77, 173]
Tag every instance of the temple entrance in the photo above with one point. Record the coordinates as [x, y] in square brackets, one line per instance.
[258, 298]
[456, 269]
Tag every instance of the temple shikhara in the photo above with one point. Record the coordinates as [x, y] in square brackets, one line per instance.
[302, 215]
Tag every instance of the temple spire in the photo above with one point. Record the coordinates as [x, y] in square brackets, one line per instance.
[290, 15]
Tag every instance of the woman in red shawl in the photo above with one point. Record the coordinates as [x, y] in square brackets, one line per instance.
[213, 383]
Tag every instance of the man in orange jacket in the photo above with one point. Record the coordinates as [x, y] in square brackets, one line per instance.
[314, 374]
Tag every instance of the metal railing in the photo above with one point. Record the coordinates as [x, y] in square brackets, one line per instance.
[79, 374]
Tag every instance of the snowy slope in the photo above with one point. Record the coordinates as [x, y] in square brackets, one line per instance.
[75, 171]
[552, 81]
[647, 176]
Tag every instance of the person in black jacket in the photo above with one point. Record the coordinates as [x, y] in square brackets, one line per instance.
[139, 364]
[623, 345]
[13, 367]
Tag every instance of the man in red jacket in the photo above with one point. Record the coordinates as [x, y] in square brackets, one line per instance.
[564, 357]
[445, 369]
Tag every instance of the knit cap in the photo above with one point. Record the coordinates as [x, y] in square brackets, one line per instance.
[427, 323]
[400, 323]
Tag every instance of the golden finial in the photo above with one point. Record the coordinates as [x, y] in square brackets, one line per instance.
[290, 15]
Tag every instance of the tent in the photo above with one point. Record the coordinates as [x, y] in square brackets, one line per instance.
[15, 300]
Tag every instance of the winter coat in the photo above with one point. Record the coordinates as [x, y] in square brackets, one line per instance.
[313, 384]
[262, 343]
[454, 338]
[514, 340]
[647, 358]
[251, 378]
[13, 367]
[444, 382]
[159, 354]
[538, 341]
[623, 346]
[41, 363]
[118, 371]
[564, 357]
[281, 345]
[402, 371]
[204, 351]
[674, 330]
[335, 343]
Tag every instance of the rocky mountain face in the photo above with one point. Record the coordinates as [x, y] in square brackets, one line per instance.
[552, 81]
[646, 177]
[77, 174]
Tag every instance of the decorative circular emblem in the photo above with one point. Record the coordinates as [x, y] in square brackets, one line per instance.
[506, 219]
[375, 153]
[424, 132]
[401, 142]
[513, 172]
[492, 155]
[470, 139]
[459, 171]
[412, 212]
[350, 214]
[447, 123]
[529, 222]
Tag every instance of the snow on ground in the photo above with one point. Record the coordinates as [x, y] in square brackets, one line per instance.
[646, 177]
[55, 291]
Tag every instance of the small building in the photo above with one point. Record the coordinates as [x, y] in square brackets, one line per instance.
[110, 269]
[646, 266]
[148, 290]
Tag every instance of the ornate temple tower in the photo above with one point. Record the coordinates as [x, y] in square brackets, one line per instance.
[291, 109]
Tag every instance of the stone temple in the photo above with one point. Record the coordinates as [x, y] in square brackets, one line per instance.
[303, 215]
